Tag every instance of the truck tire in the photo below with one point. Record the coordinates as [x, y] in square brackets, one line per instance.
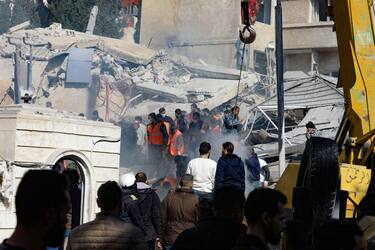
[319, 173]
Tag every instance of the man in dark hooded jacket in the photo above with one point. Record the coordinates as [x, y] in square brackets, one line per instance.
[230, 169]
[150, 209]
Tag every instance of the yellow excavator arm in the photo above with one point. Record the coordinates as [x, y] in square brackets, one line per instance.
[354, 24]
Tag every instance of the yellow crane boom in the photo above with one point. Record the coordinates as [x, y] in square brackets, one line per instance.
[354, 23]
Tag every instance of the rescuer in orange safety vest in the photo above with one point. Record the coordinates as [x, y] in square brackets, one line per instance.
[216, 122]
[176, 146]
[157, 138]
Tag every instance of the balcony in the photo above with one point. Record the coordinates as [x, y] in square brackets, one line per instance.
[300, 36]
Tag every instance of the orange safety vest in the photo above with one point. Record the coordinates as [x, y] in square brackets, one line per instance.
[216, 129]
[173, 150]
[154, 135]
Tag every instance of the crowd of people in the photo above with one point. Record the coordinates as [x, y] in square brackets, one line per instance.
[219, 205]
[133, 217]
[172, 141]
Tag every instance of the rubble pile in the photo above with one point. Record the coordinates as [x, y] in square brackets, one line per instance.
[125, 79]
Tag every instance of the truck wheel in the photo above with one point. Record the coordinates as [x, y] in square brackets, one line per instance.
[319, 173]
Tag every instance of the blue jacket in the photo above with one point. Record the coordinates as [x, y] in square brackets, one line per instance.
[253, 166]
[230, 171]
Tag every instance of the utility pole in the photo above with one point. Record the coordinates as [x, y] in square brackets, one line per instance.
[31, 42]
[17, 69]
[280, 85]
[29, 65]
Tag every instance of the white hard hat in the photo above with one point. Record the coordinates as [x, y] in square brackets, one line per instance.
[127, 180]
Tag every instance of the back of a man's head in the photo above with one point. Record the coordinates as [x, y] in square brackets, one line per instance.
[263, 200]
[228, 147]
[296, 235]
[109, 196]
[38, 191]
[204, 148]
[310, 124]
[187, 181]
[141, 177]
[229, 202]
[338, 235]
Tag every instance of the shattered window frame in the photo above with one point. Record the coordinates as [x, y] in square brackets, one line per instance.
[264, 14]
[260, 62]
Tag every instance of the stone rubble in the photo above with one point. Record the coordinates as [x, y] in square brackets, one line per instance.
[128, 70]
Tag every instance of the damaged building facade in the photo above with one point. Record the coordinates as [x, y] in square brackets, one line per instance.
[73, 77]
[110, 79]
[310, 42]
[195, 29]
[203, 31]
[43, 138]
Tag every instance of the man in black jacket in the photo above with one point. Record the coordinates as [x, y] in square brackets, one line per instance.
[230, 169]
[150, 210]
[221, 231]
[265, 215]
[130, 210]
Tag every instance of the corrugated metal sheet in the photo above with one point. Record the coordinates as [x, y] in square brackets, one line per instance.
[312, 92]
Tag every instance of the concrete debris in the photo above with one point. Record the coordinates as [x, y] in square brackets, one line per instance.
[121, 72]
[92, 20]
[212, 71]
[62, 40]
[167, 92]
[6, 187]
[315, 94]
[20, 26]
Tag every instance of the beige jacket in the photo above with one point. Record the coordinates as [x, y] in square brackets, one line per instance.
[106, 232]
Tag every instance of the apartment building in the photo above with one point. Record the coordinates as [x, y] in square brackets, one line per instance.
[208, 31]
[309, 40]
[205, 30]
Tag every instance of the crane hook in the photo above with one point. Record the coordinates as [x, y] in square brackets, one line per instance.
[248, 39]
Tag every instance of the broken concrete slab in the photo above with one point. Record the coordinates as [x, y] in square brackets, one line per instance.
[128, 51]
[221, 90]
[20, 26]
[212, 71]
[171, 93]
[63, 39]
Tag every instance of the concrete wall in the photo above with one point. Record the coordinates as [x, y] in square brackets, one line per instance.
[328, 61]
[297, 62]
[309, 36]
[194, 28]
[42, 136]
[265, 36]
[306, 40]
[158, 22]
[199, 29]
[296, 11]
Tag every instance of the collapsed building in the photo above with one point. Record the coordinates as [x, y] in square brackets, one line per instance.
[80, 73]
[83, 73]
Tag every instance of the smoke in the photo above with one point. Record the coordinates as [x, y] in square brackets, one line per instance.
[217, 141]
[133, 161]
